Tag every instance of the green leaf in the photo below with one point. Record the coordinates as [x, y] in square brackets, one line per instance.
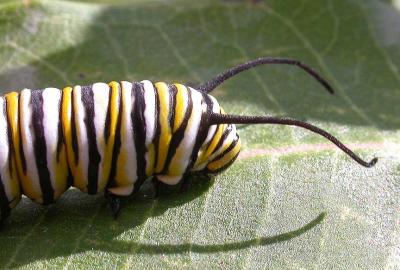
[291, 200]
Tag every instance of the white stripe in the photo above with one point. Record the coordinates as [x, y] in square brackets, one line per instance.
[150, 120]
[51, 116]
[128, 144]
[211, 130]
[101, 93]
[27, 132]
[83, 146]
[149, 112]
[228, 140]
[191, 131]
[4, 151]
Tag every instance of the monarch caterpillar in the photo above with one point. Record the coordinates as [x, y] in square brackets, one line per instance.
[109, 138]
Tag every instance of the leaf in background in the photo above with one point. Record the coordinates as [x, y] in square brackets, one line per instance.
[291, 200]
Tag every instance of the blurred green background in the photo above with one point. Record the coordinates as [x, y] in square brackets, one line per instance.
[292, 200]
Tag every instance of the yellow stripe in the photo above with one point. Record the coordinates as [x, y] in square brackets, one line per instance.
[66, 119]
[60, 173]
[14, 185]
[150, 160]
[175, 168]
[80, 179]
[13, 116]
[107, 157]
[66, 124]
[218, 164]
[225, 145]
[165, 134]
[13, 173]
[121, 177]
[205, 154]
[180, 108]
[115, 94]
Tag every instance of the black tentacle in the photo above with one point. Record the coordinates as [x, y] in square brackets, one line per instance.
[238, 119]
[213, 83]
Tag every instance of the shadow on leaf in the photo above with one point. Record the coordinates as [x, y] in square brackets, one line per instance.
[126, 247]
[78, 223]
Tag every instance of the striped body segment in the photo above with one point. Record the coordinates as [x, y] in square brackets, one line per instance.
[107, 137]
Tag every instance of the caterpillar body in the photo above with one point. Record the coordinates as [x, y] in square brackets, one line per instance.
[109, 138]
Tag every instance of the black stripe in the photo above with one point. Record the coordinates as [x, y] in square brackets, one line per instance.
[202, 132]
[212, 137]
[40, 146]
[107, 125]
[21, 145]
[172, 91]
[206, 170]
[70, 178]
[178, 136]
[74, 139]
[157, 134]
[223, 138]
[226, 151]
[11, 146]
[117, 143]
[139, 132]
[4, 204]
[60, 138]
[94, 156]
[217, 126]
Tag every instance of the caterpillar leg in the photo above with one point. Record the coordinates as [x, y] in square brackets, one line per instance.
[185, 183]
[159, 188]
[114, 201]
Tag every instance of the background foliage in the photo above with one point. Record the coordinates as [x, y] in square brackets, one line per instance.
[291, 200]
